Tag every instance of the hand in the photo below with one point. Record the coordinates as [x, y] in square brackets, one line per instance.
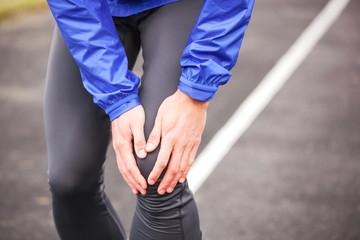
[127, 128]
[179, 123]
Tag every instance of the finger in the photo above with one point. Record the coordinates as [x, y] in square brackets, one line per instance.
[181, 176]
[131, 170]
[139, 139]
[133, 184]
[182, 170]
[161, 162]
[171, 172]
[120, 165]
[190, 162]
[133, 189]
[154, 137]
[137, 180]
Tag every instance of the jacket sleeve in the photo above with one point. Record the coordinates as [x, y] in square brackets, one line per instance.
[213, 47]
[90, 34]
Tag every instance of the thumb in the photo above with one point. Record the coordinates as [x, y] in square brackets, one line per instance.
[139, 139]
[154, 137]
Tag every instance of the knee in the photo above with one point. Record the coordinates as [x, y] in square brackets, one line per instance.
[147, 164]
[68, 185]
[157, 203]
[74, 172]
[176, 210]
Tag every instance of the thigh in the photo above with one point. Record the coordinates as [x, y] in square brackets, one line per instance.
[77, 130]
[163, 36]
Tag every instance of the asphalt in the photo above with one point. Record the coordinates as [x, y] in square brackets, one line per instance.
[293, 175]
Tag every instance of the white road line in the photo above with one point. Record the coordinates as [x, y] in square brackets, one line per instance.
[248, 111]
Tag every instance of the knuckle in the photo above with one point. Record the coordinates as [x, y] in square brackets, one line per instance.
[139, 144]
[155, 175]
[153, 137]
[137, 186]
[138, 181]
[124, 172]
[182, 143]
[170, 142]
[166, 183]
[171, 139]
[183, 168]
[174, 169]
[174, 182]
[197, 139]
[125, 169]
[163, 164]
[121, 167]
[132, 171]
[138, 176]
[191, 162]
[116, 144]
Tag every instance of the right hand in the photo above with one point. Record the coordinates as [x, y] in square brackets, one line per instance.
[126, 129]
[179, 124]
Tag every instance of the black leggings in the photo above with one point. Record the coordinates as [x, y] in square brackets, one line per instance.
[78, 133]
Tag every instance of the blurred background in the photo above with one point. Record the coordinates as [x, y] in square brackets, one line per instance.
[294, 174]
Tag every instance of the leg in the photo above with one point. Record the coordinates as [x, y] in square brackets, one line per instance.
[164, 34]
[78, 134]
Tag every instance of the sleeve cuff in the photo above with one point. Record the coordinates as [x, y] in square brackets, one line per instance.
[197, 91]
[122, 106]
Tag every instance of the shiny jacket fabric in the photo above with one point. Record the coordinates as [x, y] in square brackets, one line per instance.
[211, 51]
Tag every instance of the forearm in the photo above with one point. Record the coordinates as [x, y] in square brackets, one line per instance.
[213, 47]
[89, 31]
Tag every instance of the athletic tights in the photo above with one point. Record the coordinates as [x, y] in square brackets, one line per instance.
[78, 134]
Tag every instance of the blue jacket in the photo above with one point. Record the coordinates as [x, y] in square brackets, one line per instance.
[211, 51]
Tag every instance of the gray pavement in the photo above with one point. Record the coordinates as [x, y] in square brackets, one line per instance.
[293, 175]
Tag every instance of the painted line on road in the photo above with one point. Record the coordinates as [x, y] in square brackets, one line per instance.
[253, 105]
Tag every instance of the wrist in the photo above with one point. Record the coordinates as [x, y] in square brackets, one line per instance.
[188, 99]
[197, 91]
[123, 106]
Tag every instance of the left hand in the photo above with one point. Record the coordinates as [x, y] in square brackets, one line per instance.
[179, 123]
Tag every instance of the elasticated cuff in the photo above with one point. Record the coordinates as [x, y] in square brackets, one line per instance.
[115, 110]
[196, 91]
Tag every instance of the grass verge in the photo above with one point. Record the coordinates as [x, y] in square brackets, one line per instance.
[13, 7]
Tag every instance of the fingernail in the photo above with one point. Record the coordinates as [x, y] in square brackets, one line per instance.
[149, 146]
[151, 182]
[169, 190]
[134, 191]
[142, 153]
[162, 191]
[182, 180]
